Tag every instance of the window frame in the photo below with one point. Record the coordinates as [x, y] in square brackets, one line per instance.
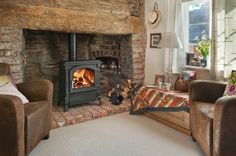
[189, 47]
[185, 14]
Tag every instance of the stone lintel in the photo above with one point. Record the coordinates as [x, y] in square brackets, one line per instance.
[56, 19]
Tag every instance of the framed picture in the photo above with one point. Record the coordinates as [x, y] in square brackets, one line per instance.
[159, 77]
[155, 39]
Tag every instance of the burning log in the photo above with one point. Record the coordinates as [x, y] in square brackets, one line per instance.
[83, 78]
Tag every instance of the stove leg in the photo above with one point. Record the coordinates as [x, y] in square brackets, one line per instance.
[65, 107]
[100, 101]
[61, 103]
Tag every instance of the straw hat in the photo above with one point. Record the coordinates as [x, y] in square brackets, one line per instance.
[154, 17]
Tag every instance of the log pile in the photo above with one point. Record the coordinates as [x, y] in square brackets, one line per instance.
[120, 92]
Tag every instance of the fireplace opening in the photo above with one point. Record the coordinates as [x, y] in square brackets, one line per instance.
[57, 55]
[108, 62]
[83, 78]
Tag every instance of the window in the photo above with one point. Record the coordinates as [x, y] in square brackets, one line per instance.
[197, 19]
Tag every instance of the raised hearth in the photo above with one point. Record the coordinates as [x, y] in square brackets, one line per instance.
[84, 113]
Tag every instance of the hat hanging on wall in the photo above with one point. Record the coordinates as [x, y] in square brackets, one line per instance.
[154, 17]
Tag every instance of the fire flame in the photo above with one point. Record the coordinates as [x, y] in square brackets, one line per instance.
[83, 78]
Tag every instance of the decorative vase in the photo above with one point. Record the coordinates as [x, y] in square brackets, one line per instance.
[204, 62]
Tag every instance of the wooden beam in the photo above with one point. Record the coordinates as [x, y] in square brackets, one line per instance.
[57, 19]
[102, 7]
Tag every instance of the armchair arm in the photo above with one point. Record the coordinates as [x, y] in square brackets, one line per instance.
[224, 128]
[37, 90]
[206, 91]
[11, 126]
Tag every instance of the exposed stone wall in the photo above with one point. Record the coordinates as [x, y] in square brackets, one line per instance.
[11, 50]
[118, 46]
[138, 46]
[134, 7]
[44, 50]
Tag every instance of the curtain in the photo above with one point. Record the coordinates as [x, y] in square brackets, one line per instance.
[173, 23]
[223, 49]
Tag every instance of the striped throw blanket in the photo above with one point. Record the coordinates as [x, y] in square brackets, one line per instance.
[151, 99]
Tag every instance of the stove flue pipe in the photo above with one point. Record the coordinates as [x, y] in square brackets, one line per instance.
[72, 54]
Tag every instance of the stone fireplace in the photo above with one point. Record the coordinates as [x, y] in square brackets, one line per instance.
[34, 40]
[44, 50]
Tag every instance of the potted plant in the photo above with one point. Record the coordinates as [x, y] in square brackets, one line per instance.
[203, 47]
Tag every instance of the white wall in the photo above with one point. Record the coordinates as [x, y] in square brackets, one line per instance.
[154, 63]
[154, 56]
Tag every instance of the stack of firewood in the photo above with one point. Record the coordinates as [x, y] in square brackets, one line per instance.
[120, 92]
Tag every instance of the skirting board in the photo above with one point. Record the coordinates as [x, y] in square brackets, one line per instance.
[172, 125]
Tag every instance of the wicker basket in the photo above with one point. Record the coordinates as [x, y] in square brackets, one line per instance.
[181, 85]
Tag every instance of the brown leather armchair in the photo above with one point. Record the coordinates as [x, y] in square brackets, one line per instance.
[213, 118]
[23, 126]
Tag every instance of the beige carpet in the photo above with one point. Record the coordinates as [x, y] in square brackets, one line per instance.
[118, 135]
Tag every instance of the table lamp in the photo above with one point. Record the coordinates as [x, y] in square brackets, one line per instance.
[170, 40]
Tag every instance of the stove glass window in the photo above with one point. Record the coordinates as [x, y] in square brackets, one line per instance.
[83, 78]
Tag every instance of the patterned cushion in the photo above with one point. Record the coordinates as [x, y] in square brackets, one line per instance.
[8, 88]
[4, 79]
[231, 86]
[188, 75]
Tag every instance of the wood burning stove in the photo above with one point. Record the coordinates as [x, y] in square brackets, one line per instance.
[80, 80]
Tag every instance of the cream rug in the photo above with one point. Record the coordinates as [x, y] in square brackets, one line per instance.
[118, 135]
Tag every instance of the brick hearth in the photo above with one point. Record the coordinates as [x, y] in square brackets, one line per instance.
[84, 113]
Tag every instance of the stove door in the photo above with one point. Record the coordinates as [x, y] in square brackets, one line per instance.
[83, 78]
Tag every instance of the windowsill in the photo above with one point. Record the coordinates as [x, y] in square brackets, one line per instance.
[196, 68]
[201, 73]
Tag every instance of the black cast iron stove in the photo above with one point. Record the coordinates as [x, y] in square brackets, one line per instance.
[80, 80]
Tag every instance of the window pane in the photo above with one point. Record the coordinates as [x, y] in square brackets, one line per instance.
[198, 20]
[195, 30]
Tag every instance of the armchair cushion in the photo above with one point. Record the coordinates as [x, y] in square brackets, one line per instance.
[231, 86]
[10, 89]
